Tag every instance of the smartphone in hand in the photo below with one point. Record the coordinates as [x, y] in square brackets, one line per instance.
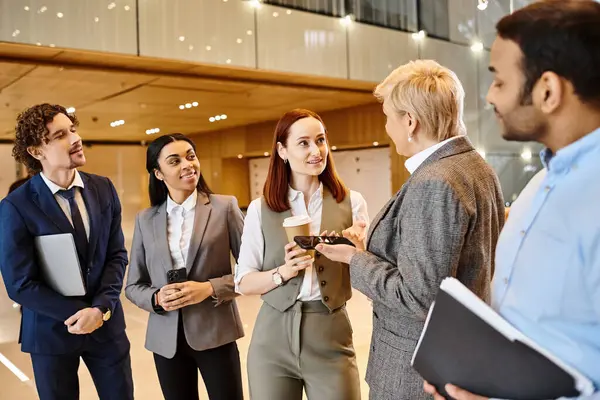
[309, 242]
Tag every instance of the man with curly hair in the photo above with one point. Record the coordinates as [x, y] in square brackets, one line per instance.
[58, 330]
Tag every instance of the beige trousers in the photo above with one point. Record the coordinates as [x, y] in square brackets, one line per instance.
[307, 347]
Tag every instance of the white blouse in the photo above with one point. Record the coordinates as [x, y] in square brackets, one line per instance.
[251, 252]
[180, 224]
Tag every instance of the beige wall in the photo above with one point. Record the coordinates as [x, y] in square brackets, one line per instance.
[8, 169]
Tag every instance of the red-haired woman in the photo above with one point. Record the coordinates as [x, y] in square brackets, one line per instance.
[302, 338]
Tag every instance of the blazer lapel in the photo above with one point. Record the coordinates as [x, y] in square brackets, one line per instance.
[92, 205]
[160, 236]
[44, 199]
[202, 214]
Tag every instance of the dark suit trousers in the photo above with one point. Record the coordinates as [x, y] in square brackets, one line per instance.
[220, 369]
[109, 364]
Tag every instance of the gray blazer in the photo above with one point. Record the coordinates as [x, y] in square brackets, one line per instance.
[217, 233]
[443, 222]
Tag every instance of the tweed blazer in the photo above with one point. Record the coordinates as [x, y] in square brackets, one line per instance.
[444, 221]
[218, 225]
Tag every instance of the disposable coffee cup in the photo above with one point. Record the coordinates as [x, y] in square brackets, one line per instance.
[298, 225]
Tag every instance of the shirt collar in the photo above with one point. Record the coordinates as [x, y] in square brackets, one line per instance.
[188, 205]
[54, 188]
[415, 161]
[293, 193]
[569, 156]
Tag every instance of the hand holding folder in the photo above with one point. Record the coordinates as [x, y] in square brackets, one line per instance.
[59, 263]
[468, 344]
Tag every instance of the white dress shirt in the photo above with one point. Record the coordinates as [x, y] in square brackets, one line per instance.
[415, 161]
[251, 252]
[64, 203]
[180, 225]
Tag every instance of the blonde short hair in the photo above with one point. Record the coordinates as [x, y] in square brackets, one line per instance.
[432, 94]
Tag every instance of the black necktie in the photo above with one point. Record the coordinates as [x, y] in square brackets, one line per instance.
[81, 242]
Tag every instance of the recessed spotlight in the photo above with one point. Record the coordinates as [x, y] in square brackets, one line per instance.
[26, 8]
[60, 15]
[52, 45]
[111, 6]
[182, 38]
[70, 110]
[249, 32]
[239, 41]
[16, 33]
[188, 105]
[152, 131]
[43, 9]
[375, 144]
[223, 116]
[275, 14]
[482, 4]
[114, 124]
[240, 156]
[218, 118]
[419, 35]
[526, 155]
[212, 119]
[288, 12]
[228, 61]
[266, 154]
[208, 48]
[127, 8]
[334, 148]
[38, 44]
[255, 3]
[182, 107]
[477, 47]
[96, 19]
[347, 20]
[190, 47]
[195, 104]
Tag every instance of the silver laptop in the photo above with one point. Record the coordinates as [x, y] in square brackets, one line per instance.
[57, 256]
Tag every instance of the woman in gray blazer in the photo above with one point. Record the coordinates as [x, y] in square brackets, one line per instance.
[180, 272]
[445, 221]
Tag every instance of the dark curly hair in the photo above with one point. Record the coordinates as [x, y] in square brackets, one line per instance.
[31, 131]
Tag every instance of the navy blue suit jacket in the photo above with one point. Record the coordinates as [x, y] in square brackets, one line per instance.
[32, 211]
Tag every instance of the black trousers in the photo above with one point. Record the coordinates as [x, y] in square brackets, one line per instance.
[220, 369]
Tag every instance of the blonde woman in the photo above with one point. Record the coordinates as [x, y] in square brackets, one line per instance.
[445, 221]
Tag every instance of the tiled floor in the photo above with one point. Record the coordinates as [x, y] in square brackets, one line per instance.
[144, 374]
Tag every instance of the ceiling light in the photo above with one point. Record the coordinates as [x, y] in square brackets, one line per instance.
[218, 117]
[38, 44]
[26, 8]
[275, 14]
[43, 9]
[127, 8]
[182, 107]
[16, 33]
[346, 20]
[212, 119]
[526, 155]
[52, 45]
[190, 47]
[195, 104]
[208, 48]
[419, 35]
[239, 40]
[60, 15]
[223, 116]
[240, 156]
[288, 12]
[181, 38]
[334, 148]
[188, 105]
[249, 32]
[482, 4]
[266, 154]
[375, 144]
[96, 19]
[255, 3]
[477, 47]
[111, 6]
[152, 131]
[70, 110]
[228, 61]
[114, 124]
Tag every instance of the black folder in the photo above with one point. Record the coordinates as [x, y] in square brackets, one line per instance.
[468, 344]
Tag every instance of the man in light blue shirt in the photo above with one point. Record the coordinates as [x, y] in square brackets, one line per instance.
[546, 65]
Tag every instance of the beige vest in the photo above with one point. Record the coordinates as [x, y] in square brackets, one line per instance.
[334, 277]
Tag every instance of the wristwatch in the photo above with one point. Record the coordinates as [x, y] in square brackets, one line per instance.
[277, 278]
[105, 313]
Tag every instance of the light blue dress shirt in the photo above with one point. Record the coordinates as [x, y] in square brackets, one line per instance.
[547, 278]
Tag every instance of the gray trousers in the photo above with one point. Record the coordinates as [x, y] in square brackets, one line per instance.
[307, 347]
